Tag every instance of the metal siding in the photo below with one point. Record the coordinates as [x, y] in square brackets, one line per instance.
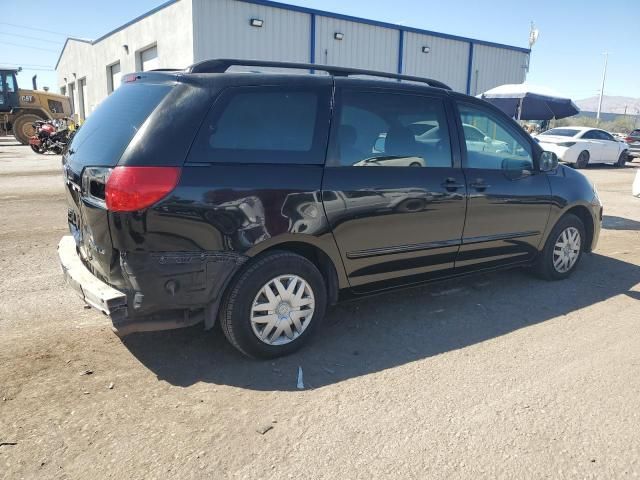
[496, 66]
[222, 30]
[169, 27]
[388, 25]
[447, 61]
[363, 46]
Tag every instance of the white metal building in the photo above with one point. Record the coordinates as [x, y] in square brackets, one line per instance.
[181, 32]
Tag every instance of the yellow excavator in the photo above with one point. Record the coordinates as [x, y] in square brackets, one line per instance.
[19, 108]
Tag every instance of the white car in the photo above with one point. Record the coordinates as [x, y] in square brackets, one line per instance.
[476, 139]
[583, 145]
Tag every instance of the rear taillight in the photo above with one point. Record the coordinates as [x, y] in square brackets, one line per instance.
[134, 188]
[629, 139]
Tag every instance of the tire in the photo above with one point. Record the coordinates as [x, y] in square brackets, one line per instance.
[545, 267]
[36, 149]
[622, 160]
[22, 128]
[247, 292]
[415, 164]
[583, 159]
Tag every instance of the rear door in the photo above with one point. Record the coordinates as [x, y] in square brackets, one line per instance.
[509, 199]
[594, 145]
[395, 200]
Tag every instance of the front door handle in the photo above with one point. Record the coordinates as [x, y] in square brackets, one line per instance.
[450, 184]
[480, 185]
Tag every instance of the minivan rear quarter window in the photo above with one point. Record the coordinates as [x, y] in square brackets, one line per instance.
[107, 132]
[265, 125]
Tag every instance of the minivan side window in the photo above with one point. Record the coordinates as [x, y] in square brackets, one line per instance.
[490, 144]
[383, 129]
[265, 125]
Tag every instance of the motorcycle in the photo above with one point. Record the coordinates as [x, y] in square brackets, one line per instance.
[51, 136]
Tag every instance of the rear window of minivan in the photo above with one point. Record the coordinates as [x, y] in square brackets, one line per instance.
[269, 124]
[109, 129]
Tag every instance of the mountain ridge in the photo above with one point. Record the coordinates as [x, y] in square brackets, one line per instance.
[611, 104]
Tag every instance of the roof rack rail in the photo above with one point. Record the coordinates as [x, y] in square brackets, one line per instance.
[221, 65]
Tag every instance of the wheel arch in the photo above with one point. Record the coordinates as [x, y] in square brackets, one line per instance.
[321, 251]
[583, 213]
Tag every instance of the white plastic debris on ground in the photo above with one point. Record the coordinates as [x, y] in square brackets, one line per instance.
[300, 382]
[636, 185]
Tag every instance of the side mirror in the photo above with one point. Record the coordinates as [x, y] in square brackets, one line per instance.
[548, 161]
[487, 139]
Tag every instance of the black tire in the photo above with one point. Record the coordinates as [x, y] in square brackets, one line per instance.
[22, 128]
[583, 159]
[235, 314]
[622, 160]
[544, 266]
[415, 164]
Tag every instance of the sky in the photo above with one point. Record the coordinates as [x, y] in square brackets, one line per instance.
[568, 56]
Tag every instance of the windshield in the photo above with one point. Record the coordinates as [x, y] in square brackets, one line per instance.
[107, 132]
[562, 132]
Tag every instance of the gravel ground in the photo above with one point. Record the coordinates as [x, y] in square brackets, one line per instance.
[498, 375]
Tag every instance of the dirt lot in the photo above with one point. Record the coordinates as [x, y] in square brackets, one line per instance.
[500, 375]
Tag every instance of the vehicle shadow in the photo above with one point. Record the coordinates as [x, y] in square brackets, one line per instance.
[611, 222]
[382, 332]
[605, 166]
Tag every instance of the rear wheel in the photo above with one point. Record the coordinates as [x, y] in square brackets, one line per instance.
[583, 159]
[622, 159]
[274, 306]
[563, 249]
[23, 128]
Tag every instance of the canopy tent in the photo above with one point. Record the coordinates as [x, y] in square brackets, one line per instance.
[530, 102]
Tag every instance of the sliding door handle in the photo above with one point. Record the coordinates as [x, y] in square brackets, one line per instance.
[450, 184]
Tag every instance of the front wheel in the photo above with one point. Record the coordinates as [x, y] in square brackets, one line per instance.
[622, 159]
[36, 149]
[563, 249]
[23, 128]
[274, 305]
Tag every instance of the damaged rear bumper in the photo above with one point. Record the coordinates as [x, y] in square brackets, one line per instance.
[91, 289]
[113, 302]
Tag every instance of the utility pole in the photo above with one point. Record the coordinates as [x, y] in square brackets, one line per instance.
[604, 76]
[534, 33]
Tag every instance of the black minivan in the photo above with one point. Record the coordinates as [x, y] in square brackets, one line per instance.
[260, 198]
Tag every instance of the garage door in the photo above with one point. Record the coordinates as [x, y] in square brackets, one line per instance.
[149, 59]
[82, 98]
[116, 76]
